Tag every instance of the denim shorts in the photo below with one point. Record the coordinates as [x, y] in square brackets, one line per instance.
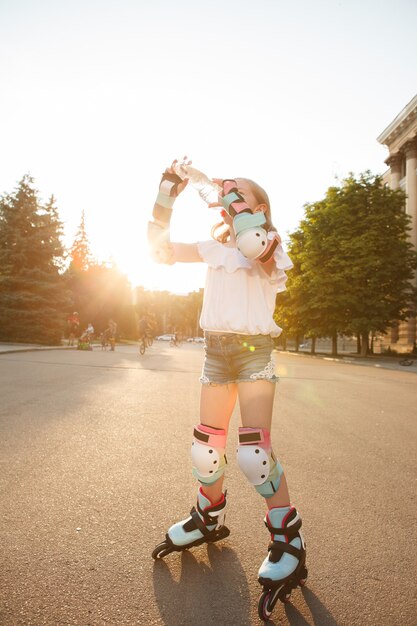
[232, 358]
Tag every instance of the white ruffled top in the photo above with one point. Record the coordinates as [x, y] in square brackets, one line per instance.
[239, 296]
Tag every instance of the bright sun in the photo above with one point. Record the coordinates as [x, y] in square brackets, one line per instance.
[128, 248]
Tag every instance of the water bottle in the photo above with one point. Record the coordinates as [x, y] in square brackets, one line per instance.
[207, 190]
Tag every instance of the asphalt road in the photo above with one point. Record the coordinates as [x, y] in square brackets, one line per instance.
[94, 450]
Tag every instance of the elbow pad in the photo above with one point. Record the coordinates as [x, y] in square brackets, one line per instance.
[253, 241]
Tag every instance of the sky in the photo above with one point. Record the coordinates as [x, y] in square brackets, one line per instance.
[98, 97]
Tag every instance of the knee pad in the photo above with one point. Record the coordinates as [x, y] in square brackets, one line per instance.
[207, 453]
[257, 460]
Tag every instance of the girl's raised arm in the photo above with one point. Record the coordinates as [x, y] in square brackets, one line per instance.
[162, 250]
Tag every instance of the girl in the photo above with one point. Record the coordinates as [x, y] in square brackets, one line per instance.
[237, 319]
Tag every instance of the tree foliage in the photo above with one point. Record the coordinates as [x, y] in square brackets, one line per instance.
[33, 297]
[80, 254]
[170, 312]
[101, 292]
[354, 262]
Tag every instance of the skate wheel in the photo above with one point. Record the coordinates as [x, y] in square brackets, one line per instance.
[264, 611]
[161, 550]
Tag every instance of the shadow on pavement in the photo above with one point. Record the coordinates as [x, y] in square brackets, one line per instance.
[320, 615]
[206, 593]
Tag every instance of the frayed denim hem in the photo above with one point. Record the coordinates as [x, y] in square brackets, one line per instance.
[205, 381]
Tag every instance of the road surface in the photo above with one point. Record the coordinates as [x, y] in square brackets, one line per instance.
[94, 450]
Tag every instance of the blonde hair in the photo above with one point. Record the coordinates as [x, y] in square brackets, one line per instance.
[221, 231]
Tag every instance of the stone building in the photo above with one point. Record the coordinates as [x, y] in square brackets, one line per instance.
[400, 137]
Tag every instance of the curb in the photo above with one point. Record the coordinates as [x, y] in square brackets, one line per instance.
[379, 362]
[36, 348]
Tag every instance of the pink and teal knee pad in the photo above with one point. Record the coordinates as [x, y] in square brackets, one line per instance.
[257, 460]
[208, 453]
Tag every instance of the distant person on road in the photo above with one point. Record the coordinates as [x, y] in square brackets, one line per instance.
[73, 328]
[175, 339]
[112, 334]
[142, 327]
[237, 319]
[88, 333]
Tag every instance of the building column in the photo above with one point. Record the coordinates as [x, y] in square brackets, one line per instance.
[394, 162]
[410, 149]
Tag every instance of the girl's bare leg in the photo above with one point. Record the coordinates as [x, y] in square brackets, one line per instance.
[256, 401]
[216, 407]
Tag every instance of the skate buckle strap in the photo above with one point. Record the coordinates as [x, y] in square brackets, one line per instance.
[288, 531]
[277, 549]
[210, 516]
[199, 523]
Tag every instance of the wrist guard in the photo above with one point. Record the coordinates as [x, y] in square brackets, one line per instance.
[158, 229]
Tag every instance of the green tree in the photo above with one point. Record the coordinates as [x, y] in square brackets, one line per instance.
[356, 262]
[101, 292]
[33, 297]
[291, 303]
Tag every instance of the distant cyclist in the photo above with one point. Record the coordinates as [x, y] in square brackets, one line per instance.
[142, 328]
[175, 341]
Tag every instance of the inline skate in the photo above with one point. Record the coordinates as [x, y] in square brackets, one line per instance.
[284, 569]
[205, 525]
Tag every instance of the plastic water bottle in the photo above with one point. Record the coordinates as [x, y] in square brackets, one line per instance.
[207, 190]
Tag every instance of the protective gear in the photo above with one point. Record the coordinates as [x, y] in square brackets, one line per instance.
[159, 243]
[205, 525]
[207, 453]
[253, 241]
[257, 461]
[284, 568]
[158, 229]
[205, 518]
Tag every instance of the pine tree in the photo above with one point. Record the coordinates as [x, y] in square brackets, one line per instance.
[33, 297]
[80, 254]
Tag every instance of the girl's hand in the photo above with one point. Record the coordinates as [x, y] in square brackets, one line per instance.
[172, 184]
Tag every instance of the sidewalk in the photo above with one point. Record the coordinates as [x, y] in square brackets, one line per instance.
[376, 360]
[6, 348]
